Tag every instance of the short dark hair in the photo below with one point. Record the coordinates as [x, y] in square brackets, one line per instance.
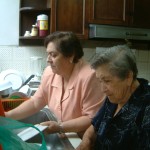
[66, 43]
[120, 60]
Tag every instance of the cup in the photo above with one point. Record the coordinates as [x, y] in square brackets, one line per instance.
[27, 33]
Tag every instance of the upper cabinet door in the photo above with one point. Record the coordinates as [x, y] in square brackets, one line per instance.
[131, 13]
[112, 12]
[140, 13]
[70, 15]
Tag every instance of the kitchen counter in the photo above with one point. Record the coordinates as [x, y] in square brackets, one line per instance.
[73, 139]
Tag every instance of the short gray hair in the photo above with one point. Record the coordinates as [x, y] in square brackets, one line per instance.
[120, 59]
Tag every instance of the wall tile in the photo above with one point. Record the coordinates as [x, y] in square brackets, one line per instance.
[143, 69]
[88, 53]
[19, 58]
[143, 55]
[5, 53]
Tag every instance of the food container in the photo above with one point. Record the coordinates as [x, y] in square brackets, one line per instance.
[42, 22]
[34, 30]
[27, 34]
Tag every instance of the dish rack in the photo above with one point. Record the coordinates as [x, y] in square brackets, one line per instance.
[9, 104]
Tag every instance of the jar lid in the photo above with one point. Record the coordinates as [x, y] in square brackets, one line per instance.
[42, 17]
[34, 26]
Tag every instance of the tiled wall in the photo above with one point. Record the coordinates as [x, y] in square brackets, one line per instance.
[143, 63]
[18, 58]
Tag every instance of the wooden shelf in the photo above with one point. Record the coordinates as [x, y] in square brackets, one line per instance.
[31, 38]
[29, 10]
[31, 42]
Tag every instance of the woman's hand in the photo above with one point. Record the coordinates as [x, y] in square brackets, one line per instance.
[88, 140]
[84, 145]
[53, 127]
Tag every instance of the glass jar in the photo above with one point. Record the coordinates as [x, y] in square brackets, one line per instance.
[34, 30]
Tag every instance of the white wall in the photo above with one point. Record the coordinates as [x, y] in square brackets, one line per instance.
[9, 22]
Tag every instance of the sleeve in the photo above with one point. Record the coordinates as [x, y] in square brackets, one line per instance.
[98, 117]
[93, 97]
[143, 135]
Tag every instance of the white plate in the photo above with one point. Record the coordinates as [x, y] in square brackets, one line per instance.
[14, 76]
[31, 132]
[4, 85]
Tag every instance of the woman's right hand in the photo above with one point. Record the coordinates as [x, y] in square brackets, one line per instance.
[53, 127]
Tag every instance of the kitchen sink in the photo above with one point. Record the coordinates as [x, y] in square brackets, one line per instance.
[54, 141]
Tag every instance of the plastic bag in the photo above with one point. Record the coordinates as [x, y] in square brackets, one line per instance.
[9, 139]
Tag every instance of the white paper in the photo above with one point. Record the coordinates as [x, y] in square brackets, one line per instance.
[31, 132]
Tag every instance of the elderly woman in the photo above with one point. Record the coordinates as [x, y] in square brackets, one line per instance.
[123, 121]
[69, 87]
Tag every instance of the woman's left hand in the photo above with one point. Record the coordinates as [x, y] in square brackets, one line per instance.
[53, 127]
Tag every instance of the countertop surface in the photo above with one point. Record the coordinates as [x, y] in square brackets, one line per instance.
[73, 139]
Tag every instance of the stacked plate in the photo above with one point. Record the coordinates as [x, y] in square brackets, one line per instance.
[15, 77]
[10, 79]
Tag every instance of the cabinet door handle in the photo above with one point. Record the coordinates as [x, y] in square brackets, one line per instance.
[136, 34]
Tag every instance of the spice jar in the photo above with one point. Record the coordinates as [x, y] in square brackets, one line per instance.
[34, 30]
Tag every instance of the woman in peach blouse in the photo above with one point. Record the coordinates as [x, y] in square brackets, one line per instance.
[68, 87]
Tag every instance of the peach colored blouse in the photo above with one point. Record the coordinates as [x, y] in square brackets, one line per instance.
[82, 97]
